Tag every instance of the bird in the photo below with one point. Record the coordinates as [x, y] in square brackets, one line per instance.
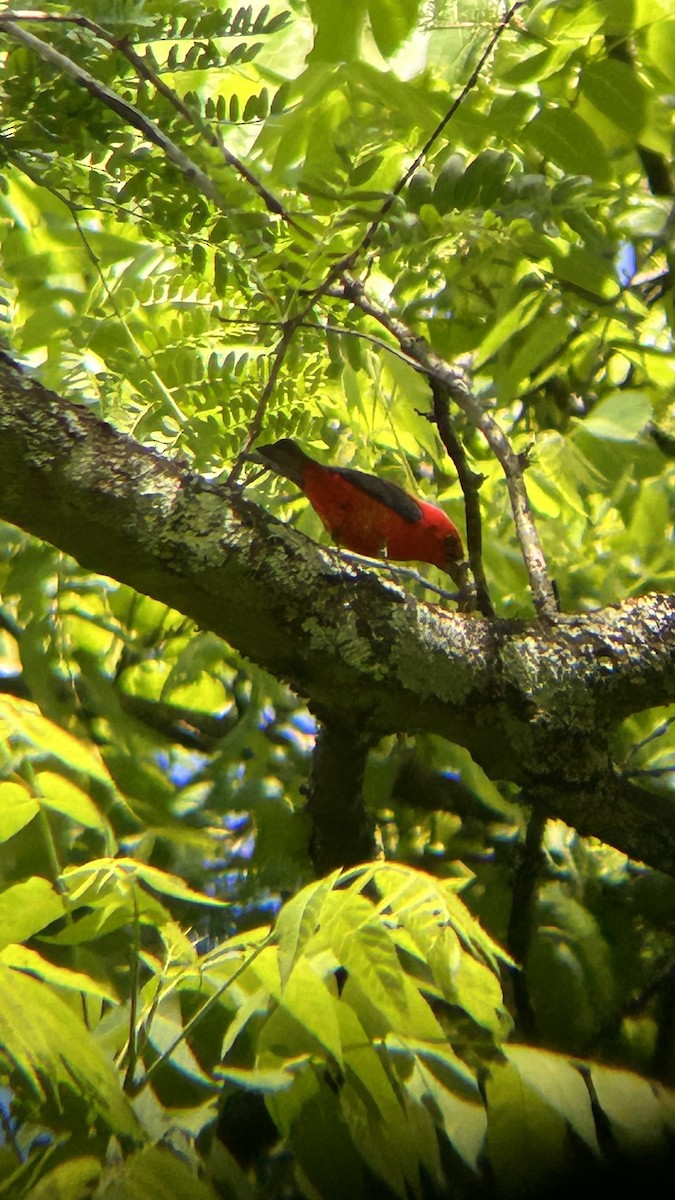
[366, 514]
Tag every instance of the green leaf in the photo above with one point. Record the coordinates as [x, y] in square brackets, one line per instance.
[482, 182]
[60, 795]
[24, 724]
[526, 1137]
[17, 809]
[571, 974]
[539, 345]
[310, 1115]
[306, 997]
[70, 1180]
[519, 315]
[447, 183]
[586, 269]
[165, 1030]
[615, 89]
[638, 1119]
[257, 1080]
[298, 920]
[477, 990]
[167, 884]
[51, 1049]
[660, 36]
[560, 1083]
[337, 38]
[463, 1121]
[364, 947]
[153, 1171]
[621, 417]
[391, 21]
[103, 876]
[563, 472]
[373, 1109]
[26, 908]
[22, 958]
[567, 140]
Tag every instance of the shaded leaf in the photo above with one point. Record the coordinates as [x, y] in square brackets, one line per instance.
[51, 1048]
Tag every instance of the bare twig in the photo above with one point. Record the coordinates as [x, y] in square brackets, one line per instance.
[198, 1017]
[658, 732]
[261, 408]
[436, 368]
[131, 1056]
[398, 572]
[325, 327]
[348, 262]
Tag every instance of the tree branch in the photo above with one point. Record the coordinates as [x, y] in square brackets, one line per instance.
[532, 703]
[124, 109]
[145, 71]
[342, 835]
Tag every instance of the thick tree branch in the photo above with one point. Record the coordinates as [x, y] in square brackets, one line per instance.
[610, 808]
[342, 835]
[533, 703]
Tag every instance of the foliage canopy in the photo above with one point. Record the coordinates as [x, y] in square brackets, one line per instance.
[219, 223]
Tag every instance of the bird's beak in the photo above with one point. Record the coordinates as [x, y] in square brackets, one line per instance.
[458, 572]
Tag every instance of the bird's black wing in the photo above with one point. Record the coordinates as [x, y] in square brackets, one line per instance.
[389, 494]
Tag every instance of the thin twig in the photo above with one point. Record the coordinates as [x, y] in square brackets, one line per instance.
[324, 327]
[132, 1044]
[658, 732]
[436, 133]
[202, 1012]
[255, 427]
[648, 772]
[348, 262]
[435, 367]
[397, 571]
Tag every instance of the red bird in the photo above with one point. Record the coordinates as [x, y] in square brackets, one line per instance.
[366, 514]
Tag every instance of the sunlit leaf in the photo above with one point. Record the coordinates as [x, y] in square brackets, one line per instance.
[17, 808]
[27, 907]
[51, 1049]
[619, 417]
